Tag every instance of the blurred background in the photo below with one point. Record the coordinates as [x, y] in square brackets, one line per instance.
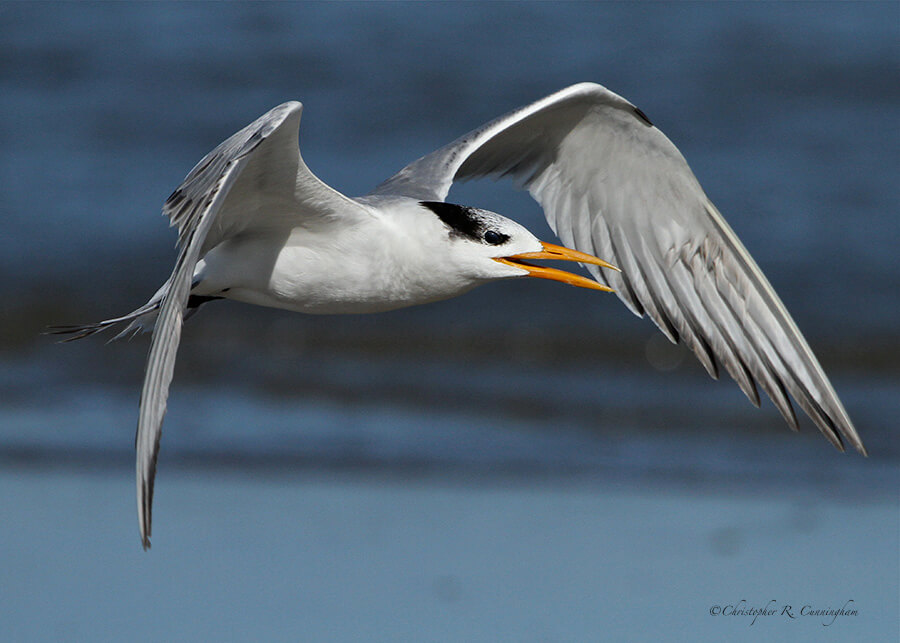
[527, 462]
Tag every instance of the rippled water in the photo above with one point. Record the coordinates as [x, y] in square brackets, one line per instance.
[787, 114]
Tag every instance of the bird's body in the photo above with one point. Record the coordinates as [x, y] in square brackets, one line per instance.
[405, 264]
[255, 225]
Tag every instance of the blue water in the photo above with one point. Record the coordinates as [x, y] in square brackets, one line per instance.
[789, 114]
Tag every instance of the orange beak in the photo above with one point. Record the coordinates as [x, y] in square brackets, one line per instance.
[559, 253]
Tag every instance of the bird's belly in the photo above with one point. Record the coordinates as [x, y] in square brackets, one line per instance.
[347, 302]
[315, 280]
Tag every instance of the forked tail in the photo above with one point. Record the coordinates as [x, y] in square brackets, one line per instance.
[139, 320]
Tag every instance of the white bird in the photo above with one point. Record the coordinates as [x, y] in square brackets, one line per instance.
[255, 225]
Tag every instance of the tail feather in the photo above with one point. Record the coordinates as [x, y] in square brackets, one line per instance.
[139, 320]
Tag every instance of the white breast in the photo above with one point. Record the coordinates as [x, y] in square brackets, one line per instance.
[374, 266]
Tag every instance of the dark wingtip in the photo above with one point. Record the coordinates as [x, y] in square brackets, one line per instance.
[833, 436]
[857, 442]
[642, 116]
[146, 516]
[842, 429]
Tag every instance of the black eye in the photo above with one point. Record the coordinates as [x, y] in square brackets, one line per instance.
[494, 238]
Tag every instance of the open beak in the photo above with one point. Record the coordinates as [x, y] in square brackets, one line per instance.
[559, 253]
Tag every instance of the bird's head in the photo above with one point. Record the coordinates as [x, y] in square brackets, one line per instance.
[488, 246]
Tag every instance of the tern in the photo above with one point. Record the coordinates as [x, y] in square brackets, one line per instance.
[255, 225]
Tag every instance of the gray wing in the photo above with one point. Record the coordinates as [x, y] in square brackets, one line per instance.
[613, 185]
[255, 180]
[275, 188]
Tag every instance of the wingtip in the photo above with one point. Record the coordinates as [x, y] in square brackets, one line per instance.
[839, 430]
[144, 522]
[851, 434]
[856, 441]
[844, 427]
[838, 443]
[145, 510]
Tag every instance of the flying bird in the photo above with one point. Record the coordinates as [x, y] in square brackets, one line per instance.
[255, 225]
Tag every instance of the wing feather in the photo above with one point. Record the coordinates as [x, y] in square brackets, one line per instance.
[164, 344]
[254, 180]
[695, 328]
[613, 185]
